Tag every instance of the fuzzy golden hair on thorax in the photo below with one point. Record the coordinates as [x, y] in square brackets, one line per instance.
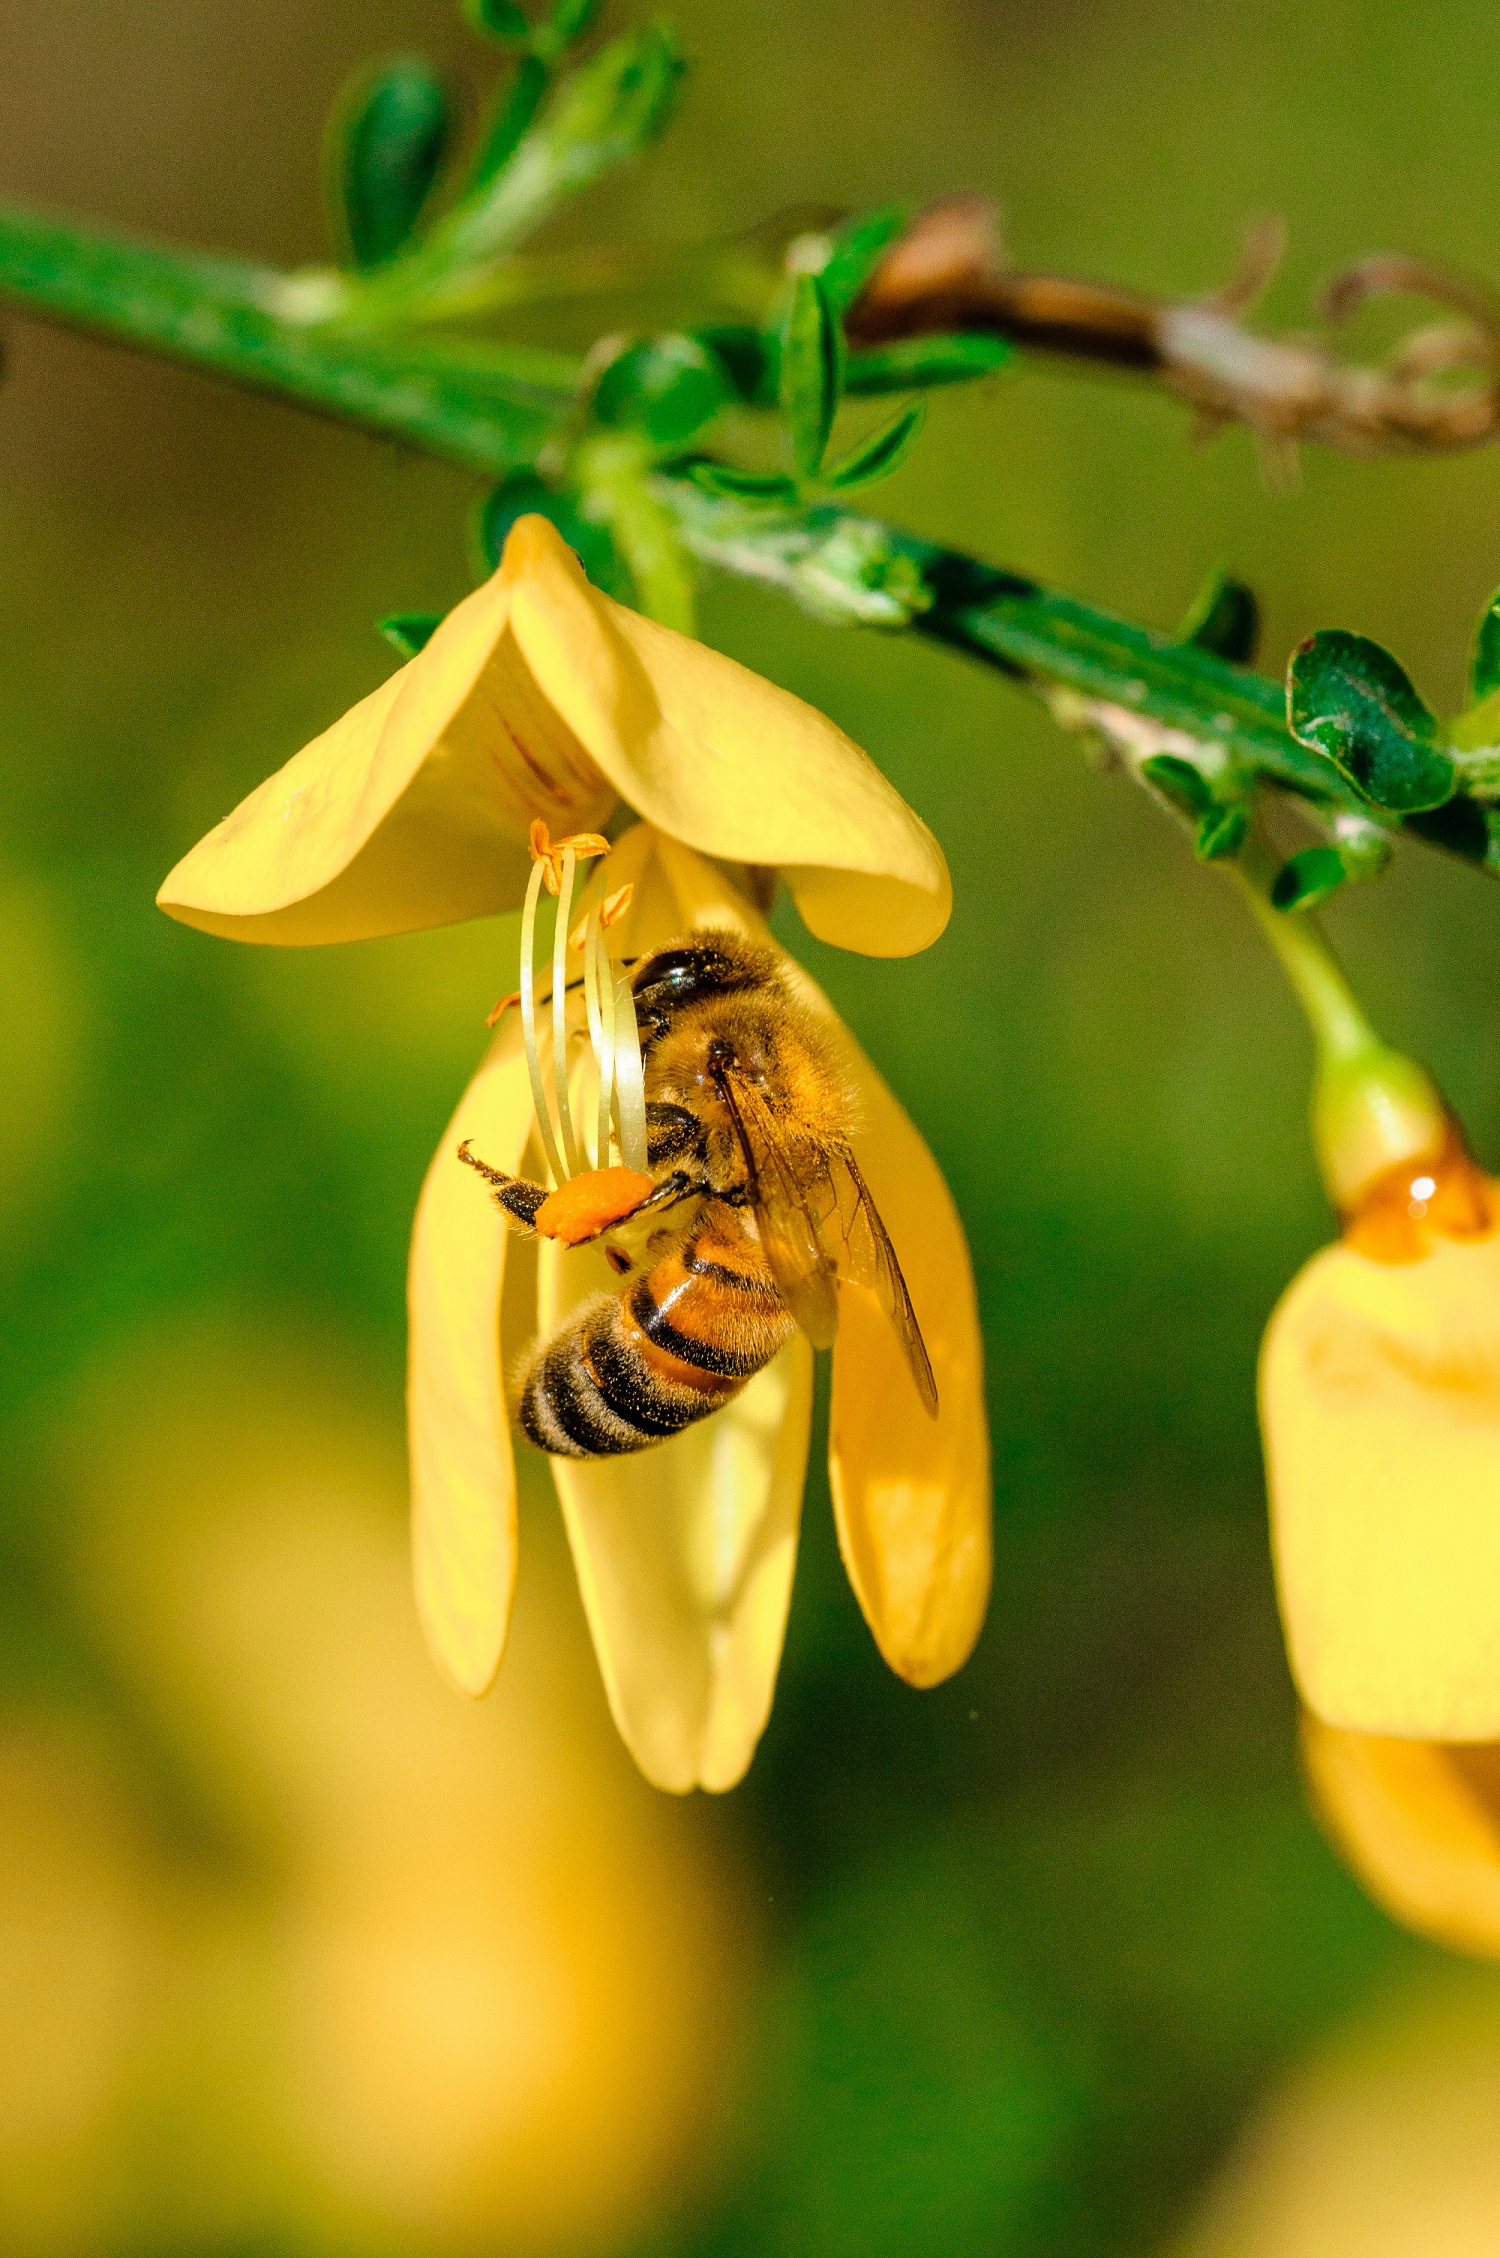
[750, 1011]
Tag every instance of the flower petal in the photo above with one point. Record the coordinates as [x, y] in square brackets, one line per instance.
[911, 1494]
[462, 1472]
[684, 1552]
[1419, 1821]
[1380, 1408]
[411, 811]
[684, 1556]
[711, 754]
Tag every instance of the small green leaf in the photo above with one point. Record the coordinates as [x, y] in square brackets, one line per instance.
[915, 364]
[747, 357]
[880, 454]
[1349, 700]
[510, 123]
[1178, 781]
[1484, 669]
[499, 19]
[410, 632]
[568, 21]
[811, 371]
[1224, 618]
[522, 493]
[1307, 878]
[601, 115]
[665, 387]
[858, 248]
[1221, 834]
[742, 485]
[386, 140]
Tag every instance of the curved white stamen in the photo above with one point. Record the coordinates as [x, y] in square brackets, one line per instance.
[528, 1024]
[630, 1099]
[560, 1011]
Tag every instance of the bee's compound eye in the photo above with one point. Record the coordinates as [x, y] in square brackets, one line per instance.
[675, 975]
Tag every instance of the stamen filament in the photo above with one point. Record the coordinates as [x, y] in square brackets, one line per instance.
[528, 1023]
[560, 1011]
[587, 938]
[631, 1098]
[609, 1018]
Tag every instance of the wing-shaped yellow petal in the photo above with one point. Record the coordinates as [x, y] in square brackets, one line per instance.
[685, 1555]
[1380, 1409]
[411, 811]
[711, 754]
[911, 1494]
[462, 1472]
[1419, 1822]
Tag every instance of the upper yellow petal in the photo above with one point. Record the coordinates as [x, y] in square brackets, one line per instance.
[462, 1471]
[911, 1494]
[1380, 1408]
[715, 756]
[411, 811]
[539, 696]
[1419, 1821]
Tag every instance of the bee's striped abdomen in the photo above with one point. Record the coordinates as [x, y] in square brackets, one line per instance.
[630, 1369]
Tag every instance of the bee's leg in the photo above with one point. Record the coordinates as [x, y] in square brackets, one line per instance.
[678, 1186]
[515, 1196]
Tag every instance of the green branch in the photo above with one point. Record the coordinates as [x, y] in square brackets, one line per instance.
[492, 408]
[489, 408]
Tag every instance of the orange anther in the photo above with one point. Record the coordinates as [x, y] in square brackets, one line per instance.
[586, 1205]
[549, 851]
[493, 1017]
[611, 910]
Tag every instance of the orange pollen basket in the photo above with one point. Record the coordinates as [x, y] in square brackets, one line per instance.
[585, 1205]
[1443, 1195]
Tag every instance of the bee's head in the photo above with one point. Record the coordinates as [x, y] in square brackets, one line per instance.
[706, 965]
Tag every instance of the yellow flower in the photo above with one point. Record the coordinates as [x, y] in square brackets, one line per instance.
[1380, 1405]
[540, 699]
[1419, 1822]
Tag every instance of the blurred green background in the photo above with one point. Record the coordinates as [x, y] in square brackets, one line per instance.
[297, 1953]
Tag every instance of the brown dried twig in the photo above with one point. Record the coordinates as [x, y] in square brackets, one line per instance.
[947, 273]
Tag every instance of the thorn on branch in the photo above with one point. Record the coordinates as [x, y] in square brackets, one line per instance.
[948, 273]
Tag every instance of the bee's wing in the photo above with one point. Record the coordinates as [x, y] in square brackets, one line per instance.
[805, 1273]
[871, 1261]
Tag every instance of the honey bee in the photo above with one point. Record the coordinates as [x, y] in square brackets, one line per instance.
[756, 1211]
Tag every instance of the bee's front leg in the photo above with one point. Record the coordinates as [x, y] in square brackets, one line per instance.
[515, 1196]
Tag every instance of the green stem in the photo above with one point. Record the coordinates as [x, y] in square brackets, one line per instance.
[1372, 1109]
[1338, 1022]
[612, 474]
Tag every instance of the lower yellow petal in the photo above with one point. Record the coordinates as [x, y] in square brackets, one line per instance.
[911, 1495]
[1380, 1408]
[684, 1552]
[1419, 1822]
[462, 1472]
[685, 1556]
